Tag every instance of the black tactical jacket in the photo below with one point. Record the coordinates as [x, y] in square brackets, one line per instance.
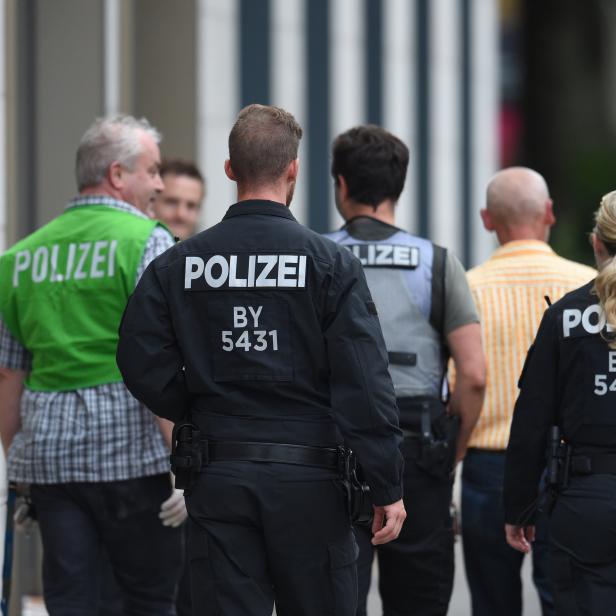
[569, 380]
[261, 330]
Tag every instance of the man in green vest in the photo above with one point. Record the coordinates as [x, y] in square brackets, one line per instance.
[95, 458]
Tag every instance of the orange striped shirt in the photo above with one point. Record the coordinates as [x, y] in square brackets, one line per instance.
[509, 290]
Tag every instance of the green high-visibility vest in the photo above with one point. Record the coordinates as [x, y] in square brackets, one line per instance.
[63, 290]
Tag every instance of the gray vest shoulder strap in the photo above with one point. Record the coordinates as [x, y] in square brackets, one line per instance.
[437, 305]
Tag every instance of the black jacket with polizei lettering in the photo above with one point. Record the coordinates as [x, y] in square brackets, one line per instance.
[262, 330]
[569, 380]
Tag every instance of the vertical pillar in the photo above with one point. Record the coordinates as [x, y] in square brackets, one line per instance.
[112, 42]
[423, 108]
[255, 41]
[399, 97]
[288, 82]
[484, 49]
[444, 150]
[373, 24]
[3, 140]
[317, 117]
[217, 99]
[348, 100]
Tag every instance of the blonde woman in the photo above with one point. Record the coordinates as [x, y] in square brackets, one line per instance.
[569, 381]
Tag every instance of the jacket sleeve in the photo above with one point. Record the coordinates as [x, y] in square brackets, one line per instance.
[536, 410]
[148, 354]
[362, 394]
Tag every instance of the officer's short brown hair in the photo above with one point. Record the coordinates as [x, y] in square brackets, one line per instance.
[262, 143]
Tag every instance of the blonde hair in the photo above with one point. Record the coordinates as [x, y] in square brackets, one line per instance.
[605, 282]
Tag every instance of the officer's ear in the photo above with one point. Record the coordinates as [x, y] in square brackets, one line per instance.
[293, 170]
[486, 218]
[343, 188]
[114, 175]
[549, 217]
[229, 171]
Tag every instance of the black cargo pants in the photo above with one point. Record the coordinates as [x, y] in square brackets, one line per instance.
[582, 529]
[415, 570]
[265, 532]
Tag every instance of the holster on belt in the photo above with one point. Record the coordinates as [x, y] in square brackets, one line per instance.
[565, 461]
[430, 434]
[359, 502]
[558, 466]
[186, 455]
[190, 453]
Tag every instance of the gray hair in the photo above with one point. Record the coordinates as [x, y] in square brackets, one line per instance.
[109, 140]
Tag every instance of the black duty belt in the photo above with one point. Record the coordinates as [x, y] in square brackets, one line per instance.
[304, 455]
[191, 453]
[602, 464]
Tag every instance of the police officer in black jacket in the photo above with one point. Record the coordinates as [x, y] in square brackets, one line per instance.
[264, 336]
[569, 381]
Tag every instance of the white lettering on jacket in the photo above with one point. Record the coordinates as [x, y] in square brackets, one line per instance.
[245, 272]
[386, 255]
[592, 320]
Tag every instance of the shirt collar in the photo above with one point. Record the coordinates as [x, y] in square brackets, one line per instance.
[259, 206]
[518, 248]
[117, 204]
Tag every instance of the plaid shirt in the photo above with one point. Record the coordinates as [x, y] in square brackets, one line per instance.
[93, 434]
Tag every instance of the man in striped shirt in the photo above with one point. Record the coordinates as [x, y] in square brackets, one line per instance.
[509, 290]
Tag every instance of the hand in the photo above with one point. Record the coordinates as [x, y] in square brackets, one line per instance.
[173, 510]
[24, 519]
[393, 517]
[520, 537]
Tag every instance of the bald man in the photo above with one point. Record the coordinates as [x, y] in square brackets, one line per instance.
[509, 290]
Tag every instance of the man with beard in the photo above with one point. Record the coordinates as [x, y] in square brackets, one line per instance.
[264, 336]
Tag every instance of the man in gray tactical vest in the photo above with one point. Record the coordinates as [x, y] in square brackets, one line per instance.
[427, 314]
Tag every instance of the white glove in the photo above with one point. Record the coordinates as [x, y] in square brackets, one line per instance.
[173, 510]
[23, 519]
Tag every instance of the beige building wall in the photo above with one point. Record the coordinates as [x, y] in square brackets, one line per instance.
[55, 58]
[164, 71]
[68, 94]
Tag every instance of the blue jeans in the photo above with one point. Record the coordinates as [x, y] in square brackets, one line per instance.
[492, 566]
[78, 519]
[110, 601]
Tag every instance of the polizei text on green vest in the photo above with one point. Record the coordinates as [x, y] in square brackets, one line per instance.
[63, 290]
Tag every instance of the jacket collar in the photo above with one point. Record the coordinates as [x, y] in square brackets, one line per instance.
[259, 207]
